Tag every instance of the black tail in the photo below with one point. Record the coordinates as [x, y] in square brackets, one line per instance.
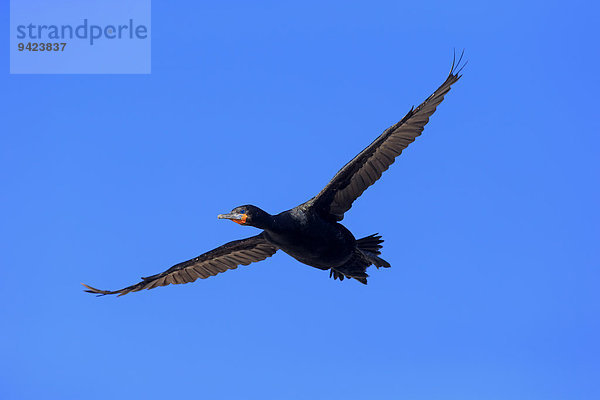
[367, 254]
[371, 246]
[371, 243]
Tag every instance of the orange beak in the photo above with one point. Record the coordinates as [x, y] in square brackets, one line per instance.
[235, 217]
[242, 220]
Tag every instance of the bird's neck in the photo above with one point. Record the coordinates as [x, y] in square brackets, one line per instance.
[264, 221]
[285, 221]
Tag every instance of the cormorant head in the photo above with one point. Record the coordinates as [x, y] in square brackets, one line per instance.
[248, 215]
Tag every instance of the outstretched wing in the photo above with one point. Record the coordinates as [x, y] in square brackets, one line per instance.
[228, 256]
[366, 168]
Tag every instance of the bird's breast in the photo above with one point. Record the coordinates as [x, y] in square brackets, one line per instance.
[312, 241]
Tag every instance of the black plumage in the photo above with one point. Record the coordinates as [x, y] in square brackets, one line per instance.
[311, 232]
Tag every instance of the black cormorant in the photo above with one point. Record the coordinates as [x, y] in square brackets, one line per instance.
[311, 232]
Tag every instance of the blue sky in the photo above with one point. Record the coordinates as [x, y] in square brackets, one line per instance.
[490, 218]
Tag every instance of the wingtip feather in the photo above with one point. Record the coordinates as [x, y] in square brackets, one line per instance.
[93, 290]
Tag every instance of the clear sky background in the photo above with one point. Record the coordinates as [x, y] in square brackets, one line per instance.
[490, 218]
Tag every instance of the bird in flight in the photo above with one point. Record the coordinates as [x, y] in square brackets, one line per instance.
[311, 232]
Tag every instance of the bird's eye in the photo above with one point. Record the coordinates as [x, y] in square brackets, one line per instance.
[242, 211]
